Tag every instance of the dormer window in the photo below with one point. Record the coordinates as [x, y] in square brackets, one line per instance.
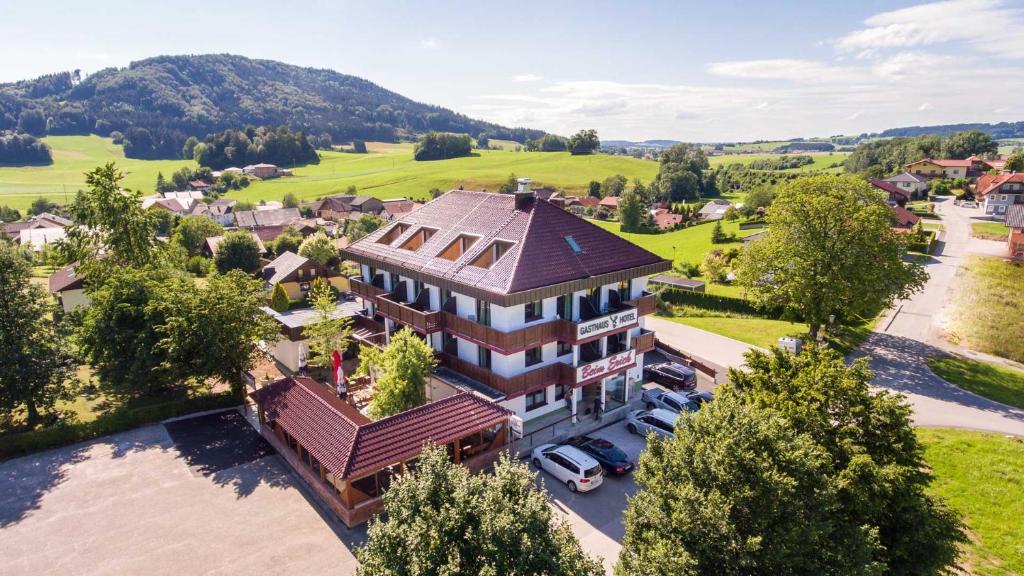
[458, 247]
[393, 234]
[419, 238]
[496, 250]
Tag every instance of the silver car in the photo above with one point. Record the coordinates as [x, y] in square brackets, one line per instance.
[671, 401]
[659, 421]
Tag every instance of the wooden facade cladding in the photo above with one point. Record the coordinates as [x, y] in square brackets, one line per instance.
[645, 304]
[516, 385]
[425, 322]
[509, 342]
[644, 342]
[365, 290]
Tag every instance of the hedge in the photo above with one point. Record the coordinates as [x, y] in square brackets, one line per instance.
[716, 302]
[62, 434]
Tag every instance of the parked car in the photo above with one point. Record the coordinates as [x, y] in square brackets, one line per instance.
[614, 461]
[671, 401]
[570, 465]
[969, 204]
[700, 398]
[659, 421]
[672, 374]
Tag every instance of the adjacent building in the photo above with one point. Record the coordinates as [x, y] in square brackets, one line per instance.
[998, 192]
[517, 296]
[295, 274]
[916, 186]
[1015, 222]
[69, 289]
[895, 196]
[714, 209]
[969, 168]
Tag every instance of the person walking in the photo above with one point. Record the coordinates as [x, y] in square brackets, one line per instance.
[597, 407]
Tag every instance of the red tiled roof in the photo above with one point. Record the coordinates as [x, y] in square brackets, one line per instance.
[349, 444]
[588, 201]
[988, 183]
[540, 254]
[65, 279]
[904, 217]
[888, 187]
[609, 201]
[665, 219]
[946, 163]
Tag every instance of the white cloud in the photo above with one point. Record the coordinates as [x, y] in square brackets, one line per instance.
[761, 106]
[527, 78]
[428, 43]
[990, 26]
[925, 106]
[855, 115]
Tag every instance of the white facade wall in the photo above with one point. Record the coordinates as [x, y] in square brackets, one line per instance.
[73, 299]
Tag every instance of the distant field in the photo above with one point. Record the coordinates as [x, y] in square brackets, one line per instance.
[822, 161]
[690, 243]
[72, 157]
[1006, 146]
[766, 146]
[389, 171]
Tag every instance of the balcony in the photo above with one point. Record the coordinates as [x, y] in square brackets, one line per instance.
[529, 336]
[422, 321]
[516, 385]
[646, 304]
[364, 290]
[644, 342]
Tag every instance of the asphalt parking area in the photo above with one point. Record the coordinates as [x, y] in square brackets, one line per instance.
[596, 517]
[217, 442]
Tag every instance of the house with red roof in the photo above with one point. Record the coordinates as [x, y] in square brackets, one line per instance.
[349, 460]
[903, 218]
[969, 168]
[895, 195]
[609, 203]
[998, 192]
[664, 219]
[539, 309]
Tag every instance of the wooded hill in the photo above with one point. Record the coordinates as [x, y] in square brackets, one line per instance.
[159, 102]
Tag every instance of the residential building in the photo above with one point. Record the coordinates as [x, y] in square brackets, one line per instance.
[664, 219]
[895, 196]
[296, 273]
[172, 205]
[36, 238]
[916, 186]
[713, 210]
[333, 207]
[395, 208]
[44, 220]
[291, 350]
[256, 219]
[261, 170]
[199, 186]
[515, 295]
[213, 243]
[997, 192]
[609, 203]
[1015, 222]
[969, 168]
[348, 460]
[366, 205]
[219, 211]
[903, 218]
[68, 288]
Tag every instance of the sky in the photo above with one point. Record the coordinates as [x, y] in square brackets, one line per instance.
[696, 71]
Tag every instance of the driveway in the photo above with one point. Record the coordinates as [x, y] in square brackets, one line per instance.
[719, 351]
[199, 496]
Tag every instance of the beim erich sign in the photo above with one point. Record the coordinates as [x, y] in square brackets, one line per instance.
[605, 365]
[606, 323]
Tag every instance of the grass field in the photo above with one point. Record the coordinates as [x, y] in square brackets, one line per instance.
[979, 475]
[73, 156]
[821, 161]
[988, 380]
[757, 331]
[987, 309]
[690, 244]
[990, 230]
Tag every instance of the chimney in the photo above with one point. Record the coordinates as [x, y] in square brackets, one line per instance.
[524, 196]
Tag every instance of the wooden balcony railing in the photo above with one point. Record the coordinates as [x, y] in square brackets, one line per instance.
[426, 322]
[546, 376]
[508, 342]
[644, 342]
[365, 289]
[645, 304]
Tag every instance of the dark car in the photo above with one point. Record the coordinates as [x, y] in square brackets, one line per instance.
[699, 398]
[612, 458]
[675, 376]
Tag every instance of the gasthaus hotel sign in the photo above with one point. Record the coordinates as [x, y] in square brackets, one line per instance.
[606, 323]
[605, 365]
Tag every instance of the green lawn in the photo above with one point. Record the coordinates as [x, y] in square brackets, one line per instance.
[822, 161]
[1000, 384]
[990, 230]
[987, 314]
[757, 331]
[73, 156]
[690, 243]
[980, 475]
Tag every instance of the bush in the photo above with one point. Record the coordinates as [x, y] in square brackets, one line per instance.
[713, 302]
[199, 265]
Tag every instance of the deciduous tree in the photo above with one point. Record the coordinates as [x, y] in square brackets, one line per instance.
[238, 251]
[584, 142]
[442, 519]
[399, 372]
[319, 248]
[829, 249]
[356, 229]
[328, 333]
[191, 233]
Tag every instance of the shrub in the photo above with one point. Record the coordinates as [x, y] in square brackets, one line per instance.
[198, 265]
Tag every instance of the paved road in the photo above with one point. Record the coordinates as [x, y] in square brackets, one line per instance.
[719, 351]
[913, 330]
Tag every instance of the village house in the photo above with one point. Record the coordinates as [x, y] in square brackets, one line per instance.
[333, 207]
[895, 196]
[69, 289]
[713, 210]
[366, 205]
[998, 192]
[349, 461]
[903, 218]
[199, 186]
[1015, 240]
[267, 224]
[291, 349]
[970, 168]
[609, 203]
[395, 208]
[213, 243]
[296, 273]
[219, 211]
[664, 219]
[261, 170]
[916, 186]
[540, 308]
[37, 231]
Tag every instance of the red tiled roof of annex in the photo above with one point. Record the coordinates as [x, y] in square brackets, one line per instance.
[349, 444]
[888, 187]
[545, 244]
[989, 183]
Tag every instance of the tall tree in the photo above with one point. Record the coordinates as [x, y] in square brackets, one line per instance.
[328, 333]
[632, 211]
[238, 251]
[584, 142]
[399, 372]
[969, 143]
[875, 465]
[356, 229]
[1015, 163]
[191, 233]
[829, 249]
[319, 248]
[737, 491]
[36, 363]
[442, 519]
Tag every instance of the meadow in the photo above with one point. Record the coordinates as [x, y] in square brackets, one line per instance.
[988, 303]
[684, 245]
[73, 156]
[823, 161]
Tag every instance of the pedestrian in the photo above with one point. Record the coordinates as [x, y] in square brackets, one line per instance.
[568, 399]
[597, 407]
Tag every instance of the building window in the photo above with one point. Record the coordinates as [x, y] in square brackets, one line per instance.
[534, 356]
[418, 239]
[563, 307]
[559, 392]
[483, 312]
[563, 348]
[483, 357]
[624, 290]
[492, 254]
[536, 399]
[458, 247]
[534, 311]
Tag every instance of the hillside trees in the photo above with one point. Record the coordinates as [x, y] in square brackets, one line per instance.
[442, 146]
[23, 150]
[191, 233]
[319, 248]
[584, 142]
[477, 524]
[681, 172]
[962, 145]
[829, 250]
[281, 146]
[238, 251]
[356, 229]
